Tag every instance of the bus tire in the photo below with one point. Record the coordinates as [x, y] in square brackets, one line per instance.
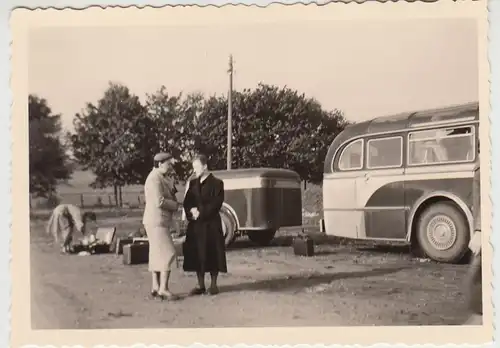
[443, 233]
[262, 238]
[228, 226]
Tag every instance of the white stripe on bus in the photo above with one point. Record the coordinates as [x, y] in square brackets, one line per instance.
[368, 208]
[452, 171]
[362, 187]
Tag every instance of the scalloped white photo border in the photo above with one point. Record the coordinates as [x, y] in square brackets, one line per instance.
[6, 139]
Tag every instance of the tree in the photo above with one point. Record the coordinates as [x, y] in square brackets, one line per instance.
[115, 140]
[174, 119]
[48, 162]
[272, 127]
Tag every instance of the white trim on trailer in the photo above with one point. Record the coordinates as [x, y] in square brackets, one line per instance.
[233, 213]
[255, 183]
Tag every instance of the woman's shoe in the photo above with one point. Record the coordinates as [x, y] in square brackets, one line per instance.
[213, 290]
[168, 296]
[197, 291]
[153, 294]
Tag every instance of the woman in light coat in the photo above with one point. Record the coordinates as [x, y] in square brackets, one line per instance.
[161, 203]
[64, 221]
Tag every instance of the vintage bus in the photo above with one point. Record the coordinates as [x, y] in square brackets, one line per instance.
[406, 178]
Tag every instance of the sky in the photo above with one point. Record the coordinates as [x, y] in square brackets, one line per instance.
[364, 68]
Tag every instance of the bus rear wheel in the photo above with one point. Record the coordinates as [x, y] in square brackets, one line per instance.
[262, 238]
[443, 233]
[228, 226]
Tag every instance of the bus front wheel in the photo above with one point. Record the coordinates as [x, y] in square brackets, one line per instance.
[443, 233]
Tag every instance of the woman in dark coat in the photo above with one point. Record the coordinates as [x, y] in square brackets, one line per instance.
[204, 248]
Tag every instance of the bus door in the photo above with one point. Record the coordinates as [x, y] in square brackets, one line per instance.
[342, 216]
[381, 190]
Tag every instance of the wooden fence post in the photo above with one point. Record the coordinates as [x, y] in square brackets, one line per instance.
[82, 202]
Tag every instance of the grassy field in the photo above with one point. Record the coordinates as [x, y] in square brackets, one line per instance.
[77, 191]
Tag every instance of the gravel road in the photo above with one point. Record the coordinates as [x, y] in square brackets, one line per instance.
[341, 285]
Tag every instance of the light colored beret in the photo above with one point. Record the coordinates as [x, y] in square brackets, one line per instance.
[162, 156]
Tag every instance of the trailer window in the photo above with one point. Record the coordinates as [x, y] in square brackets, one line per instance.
[352, 156]
[444, 145]
[385, 153]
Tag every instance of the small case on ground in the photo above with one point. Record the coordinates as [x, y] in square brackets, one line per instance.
[106, 234]
[135, 253]
[101, 248]
[303, 245]
[120, 243]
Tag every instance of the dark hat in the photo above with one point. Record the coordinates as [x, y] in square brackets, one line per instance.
[162, 157]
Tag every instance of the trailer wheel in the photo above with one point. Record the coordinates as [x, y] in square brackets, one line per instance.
[262, 238]
[443, 233]
[228, 226]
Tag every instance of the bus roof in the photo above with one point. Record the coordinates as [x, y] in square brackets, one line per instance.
[403, 121]
[275, 173]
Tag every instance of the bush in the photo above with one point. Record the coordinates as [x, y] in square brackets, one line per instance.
[312, 199]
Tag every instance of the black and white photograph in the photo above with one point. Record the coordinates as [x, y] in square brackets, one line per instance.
[243, 167]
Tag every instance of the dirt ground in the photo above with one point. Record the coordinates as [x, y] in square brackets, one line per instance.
[341, 285]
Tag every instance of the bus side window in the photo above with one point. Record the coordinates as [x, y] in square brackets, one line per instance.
[351, 157]
[385, 152]
[441, 146]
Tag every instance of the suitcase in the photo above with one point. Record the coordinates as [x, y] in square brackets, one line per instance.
[136, 253]
[100, 249]
[303, 245]
[106, 234]
[120, 243]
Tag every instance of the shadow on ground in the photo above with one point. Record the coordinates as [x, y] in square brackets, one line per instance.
[292, 283]
[243, 243]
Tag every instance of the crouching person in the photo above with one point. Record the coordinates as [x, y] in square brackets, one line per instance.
[64, 221]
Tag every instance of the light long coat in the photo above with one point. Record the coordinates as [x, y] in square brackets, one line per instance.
[160, 200]
[64, 219]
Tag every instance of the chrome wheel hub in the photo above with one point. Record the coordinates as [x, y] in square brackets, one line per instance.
[441, 232]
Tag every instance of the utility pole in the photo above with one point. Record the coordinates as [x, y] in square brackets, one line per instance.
[230, 114]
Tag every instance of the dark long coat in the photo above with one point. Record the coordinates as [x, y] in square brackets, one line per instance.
[204, 247]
